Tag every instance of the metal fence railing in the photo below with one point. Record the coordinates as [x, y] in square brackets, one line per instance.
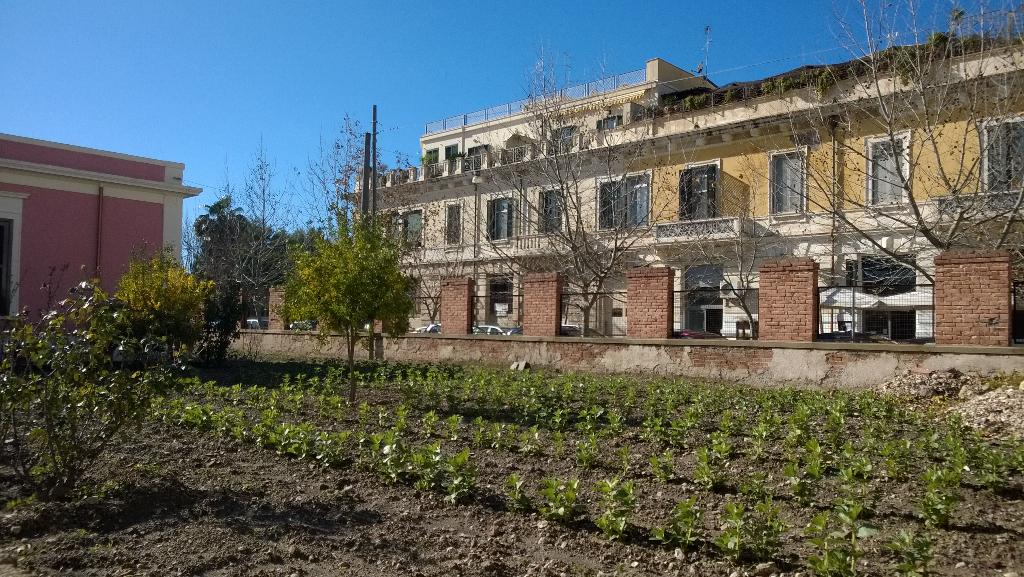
[598, 314]
[607, 84]
[903, 314]
[1018, 312]
[716, 313]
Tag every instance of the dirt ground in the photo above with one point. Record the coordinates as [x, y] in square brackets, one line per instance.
[173, 501]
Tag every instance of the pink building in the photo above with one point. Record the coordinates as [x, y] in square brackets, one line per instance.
[69, 213]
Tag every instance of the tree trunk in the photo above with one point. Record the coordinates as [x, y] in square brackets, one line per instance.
[351, 367]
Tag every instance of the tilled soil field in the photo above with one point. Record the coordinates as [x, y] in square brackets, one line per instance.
[209, 487]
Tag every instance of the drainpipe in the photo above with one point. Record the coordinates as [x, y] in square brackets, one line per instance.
[99, 230]
[835, 191]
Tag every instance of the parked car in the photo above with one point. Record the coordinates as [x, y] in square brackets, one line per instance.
[488, 330]
[306, 325]
[570, 331]
[514, 331]
[431, 328]
[692, 334]
[257, 323]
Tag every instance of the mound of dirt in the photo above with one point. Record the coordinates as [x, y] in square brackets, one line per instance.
[993, 405]
[918, 385]
[999, 411]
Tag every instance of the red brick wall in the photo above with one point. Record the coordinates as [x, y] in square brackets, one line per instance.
[542, 304]
[972, 298]
[274, 319]
[456, 305]
[788, 300]
[649, 302]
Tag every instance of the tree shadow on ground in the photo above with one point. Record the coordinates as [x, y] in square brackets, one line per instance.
[166, 500]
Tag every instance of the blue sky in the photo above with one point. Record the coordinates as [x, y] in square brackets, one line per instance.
[204, 82]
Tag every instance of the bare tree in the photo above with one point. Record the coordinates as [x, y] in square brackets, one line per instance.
[571, 192]
[927, 150]
[737, 252]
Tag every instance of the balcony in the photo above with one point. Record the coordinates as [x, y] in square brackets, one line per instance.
[515, 154]
[433, 170]
[472, 163]
[704, 229]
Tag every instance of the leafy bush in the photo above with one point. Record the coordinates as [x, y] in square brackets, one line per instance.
[163, 299]
[71, 384]
[684, 528]
[618, 500]
[558, 501]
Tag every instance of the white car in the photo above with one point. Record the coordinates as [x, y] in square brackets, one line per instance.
[431, 328]
[488, 330]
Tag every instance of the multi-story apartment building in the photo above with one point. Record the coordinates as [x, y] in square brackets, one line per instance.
[871, 167]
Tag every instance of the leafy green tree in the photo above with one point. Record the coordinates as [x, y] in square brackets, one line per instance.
[349, 279]
[163, 299]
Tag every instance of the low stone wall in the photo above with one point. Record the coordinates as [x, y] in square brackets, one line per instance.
[846, 366]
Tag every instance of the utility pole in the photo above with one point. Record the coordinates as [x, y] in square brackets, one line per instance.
[373, 196]
[364, 198]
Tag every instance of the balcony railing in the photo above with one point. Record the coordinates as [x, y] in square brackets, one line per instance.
[708, 228]
[600, 86]
[433, 170]
[515, 154]
[472, 163]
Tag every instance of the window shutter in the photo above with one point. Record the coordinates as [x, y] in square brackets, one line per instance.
[490, 220]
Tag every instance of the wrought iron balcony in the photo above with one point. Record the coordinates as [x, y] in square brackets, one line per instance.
[702, 229]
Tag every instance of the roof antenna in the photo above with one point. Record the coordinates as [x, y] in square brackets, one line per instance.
[702, 68]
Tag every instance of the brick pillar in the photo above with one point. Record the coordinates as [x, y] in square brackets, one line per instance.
[275, 299]
[788, 300]
[457, 305]
[973, 298]
[542, 304]
[649, 302]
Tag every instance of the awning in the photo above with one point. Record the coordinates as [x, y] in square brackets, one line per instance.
[846, 297]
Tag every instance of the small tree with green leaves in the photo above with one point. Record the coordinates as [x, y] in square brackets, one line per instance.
[349, 279]
[164, 300]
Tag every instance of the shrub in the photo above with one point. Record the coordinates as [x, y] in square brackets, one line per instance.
[71, 384]
[558, 499]
[163, 299]
[684, 528]
[618, 500]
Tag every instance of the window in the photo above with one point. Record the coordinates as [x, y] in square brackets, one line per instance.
[412, 228]
[787, 182]
[698, 187]
[882, 275]
[1004, 156]
[887, 169]
[549, 212]
[5, 267]
[703, 300]
[453, 224]
[430, 156]
[625, 202]
[414, 294]
[451, 151]
[499, 295]
[500, 219]
[609, 123]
